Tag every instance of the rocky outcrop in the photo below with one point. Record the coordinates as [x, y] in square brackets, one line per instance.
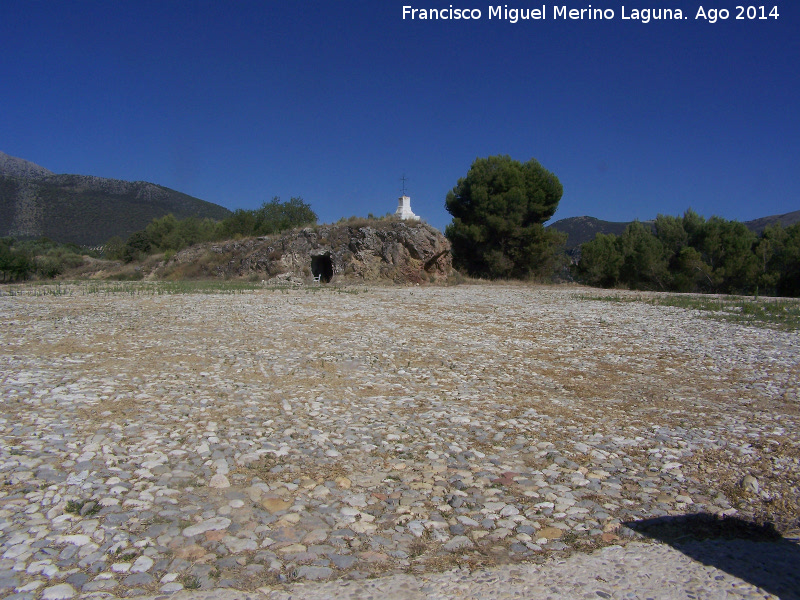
[380, 250]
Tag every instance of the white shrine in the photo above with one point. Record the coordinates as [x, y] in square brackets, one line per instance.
[404, 209]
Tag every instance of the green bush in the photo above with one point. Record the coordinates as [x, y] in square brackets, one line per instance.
[15, 264]
[691, 254]
[168, 234]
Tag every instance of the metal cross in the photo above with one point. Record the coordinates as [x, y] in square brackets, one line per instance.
[403, 179]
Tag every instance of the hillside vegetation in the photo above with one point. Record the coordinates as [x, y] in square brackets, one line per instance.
[85, 210]
[162, 236]
[692, 254]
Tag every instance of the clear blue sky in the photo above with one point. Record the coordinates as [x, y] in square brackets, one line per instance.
[236, 102]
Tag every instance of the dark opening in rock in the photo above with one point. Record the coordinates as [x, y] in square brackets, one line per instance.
[322, 268]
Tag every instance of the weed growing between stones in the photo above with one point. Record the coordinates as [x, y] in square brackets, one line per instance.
[190, 582]
[85, 508]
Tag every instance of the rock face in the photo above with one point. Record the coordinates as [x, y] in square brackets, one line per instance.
[382, 250]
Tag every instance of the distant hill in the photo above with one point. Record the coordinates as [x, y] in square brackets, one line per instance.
[758, 225]
[580, 230]
[82, 209]
[584, 229]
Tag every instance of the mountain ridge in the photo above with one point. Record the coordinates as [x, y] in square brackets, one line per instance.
[583, 229]
[19, 167]
[85, 209]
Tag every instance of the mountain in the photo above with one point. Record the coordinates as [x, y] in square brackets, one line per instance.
[82, 209]
[580, 230]
[758, 225]
[18, 167]
[583, 229]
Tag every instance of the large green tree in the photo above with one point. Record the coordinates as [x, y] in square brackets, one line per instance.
[786, 261]
[499, 210]
[601, 260]
[643, 265]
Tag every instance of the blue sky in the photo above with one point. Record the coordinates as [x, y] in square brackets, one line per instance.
[236, 102]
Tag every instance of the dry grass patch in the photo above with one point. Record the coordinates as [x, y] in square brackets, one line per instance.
[315, 472]
[778, 498]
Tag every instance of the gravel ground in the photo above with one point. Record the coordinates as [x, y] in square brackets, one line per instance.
[461, 440]
[638, 571]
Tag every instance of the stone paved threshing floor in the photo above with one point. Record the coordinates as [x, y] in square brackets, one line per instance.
[158, 443]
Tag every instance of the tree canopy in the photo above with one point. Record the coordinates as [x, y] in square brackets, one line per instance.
[498, 211]
[691, 254]
[272, 217]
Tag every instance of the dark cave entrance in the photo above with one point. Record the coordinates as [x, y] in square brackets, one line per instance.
[322, 268]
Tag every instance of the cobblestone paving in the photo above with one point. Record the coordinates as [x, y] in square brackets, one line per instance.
[156, 443]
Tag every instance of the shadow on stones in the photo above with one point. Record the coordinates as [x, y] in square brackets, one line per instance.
[755, 553]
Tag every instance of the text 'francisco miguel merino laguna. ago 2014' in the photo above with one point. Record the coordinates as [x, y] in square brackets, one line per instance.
[643, 15]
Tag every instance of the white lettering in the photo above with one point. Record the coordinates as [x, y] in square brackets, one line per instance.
[583, 13]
